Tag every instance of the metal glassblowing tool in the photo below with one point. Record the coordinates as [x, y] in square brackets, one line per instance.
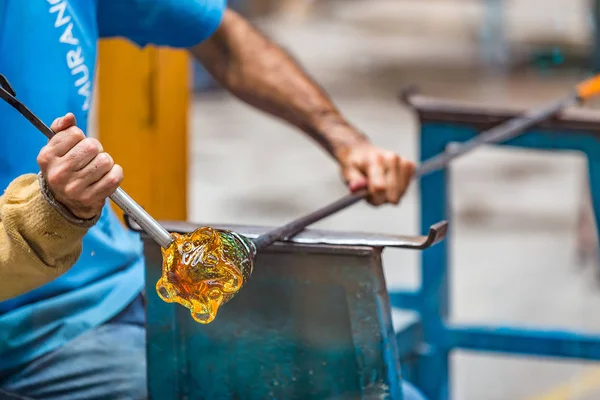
[121, 199]
[206, 268]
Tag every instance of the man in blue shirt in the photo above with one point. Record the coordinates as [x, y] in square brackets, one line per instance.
[82, 335]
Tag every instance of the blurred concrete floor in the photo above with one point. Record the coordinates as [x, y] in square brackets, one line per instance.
[513, 228]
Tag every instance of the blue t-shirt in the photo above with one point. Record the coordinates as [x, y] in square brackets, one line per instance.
[48, 53]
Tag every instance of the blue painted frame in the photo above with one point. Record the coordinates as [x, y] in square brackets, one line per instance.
[426, 343]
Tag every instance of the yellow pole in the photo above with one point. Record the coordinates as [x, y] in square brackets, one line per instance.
[142, 105]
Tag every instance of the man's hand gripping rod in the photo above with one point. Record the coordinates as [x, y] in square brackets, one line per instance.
[121, 199]
[500, 133]
[512, 128]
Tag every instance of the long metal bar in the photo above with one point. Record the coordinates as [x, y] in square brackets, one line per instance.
[121, 199]
[499, 133]
[522, 341]
[437, 232]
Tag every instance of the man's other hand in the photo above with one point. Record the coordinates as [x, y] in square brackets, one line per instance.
[385, 174]
[79, 173]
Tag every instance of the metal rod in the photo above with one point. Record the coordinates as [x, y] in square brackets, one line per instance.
[142, 218]
[121, 199]
[497, 134]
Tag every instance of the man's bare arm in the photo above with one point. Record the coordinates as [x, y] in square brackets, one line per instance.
[262, 74]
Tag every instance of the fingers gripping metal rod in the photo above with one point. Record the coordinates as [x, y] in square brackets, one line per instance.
[121, 199]
[497, 134]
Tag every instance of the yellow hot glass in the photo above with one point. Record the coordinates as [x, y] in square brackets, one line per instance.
[204, 269]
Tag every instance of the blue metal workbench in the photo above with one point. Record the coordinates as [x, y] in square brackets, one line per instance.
[425, 345]
[313, 322]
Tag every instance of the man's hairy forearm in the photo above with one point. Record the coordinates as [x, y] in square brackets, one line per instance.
[260, 73]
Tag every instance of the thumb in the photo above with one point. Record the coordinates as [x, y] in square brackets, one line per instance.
[355, 179]
[62, 123]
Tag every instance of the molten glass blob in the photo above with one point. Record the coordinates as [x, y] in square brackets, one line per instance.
[204, 269]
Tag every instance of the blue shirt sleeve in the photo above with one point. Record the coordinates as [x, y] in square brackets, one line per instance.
[173, 23]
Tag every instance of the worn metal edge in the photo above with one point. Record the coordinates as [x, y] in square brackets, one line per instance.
[321, 237]
[431, 109]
